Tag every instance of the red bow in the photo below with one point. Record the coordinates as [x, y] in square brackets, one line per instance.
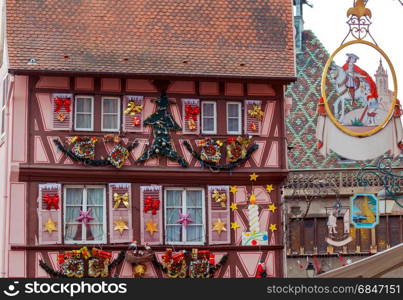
[60, 102]
[191, 112]
[150, 204]
[101, 253]
[60, 259]
[51, 201]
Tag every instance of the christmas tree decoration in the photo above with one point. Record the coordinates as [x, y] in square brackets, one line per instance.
[184, 219]
[120, 199]
[162, 122]
[234, 189]
[273, 227]
[210, 155]
[234, 225]
[253, 177]
[151, 227]
[116, 158]
[51, 200]
[120, 225]
[269, 188]
[151, 204]
[219, 226]
[220, 198]
[234, 206]
[256, 112]
[272, 208]
[237, 148]
[85, 217]
[50, 226]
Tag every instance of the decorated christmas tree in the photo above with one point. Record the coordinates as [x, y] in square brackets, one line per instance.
[162, 122]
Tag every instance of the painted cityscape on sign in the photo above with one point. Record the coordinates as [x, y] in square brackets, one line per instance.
[365, 210]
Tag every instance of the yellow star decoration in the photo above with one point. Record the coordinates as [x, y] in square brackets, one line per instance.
[50, 225]
[273, 227]
[269, 188]
[272, 207]
[233, 189]
[151, 227]
[253, 177]
[120, 225]
[234, 206]
[219, 226]
[234, 225]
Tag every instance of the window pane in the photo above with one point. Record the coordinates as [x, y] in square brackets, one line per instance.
[194, 233]
[84, 105]
[208, 124]
[95, 232]
[74, 196]
[196, 214]
[110, 106]
[174, 198]
[233, 110]
[97, 212]
[193, 198]
[174, 233]
[110, 122]
[83, 121]
[72, 213]
[95, 196]
[208, 109]
[172, 215]
[73, 232]
[233, 125]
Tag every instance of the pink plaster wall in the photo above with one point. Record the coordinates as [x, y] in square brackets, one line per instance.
[17, 219]
[19, 120]
[16, 264]
[45, 107]
[53, 82]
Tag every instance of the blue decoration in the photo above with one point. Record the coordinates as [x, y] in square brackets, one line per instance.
[364, 210]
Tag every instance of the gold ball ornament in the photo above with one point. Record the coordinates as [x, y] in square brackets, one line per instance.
[139, 271]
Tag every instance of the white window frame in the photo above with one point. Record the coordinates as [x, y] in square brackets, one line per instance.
[184, 211]
[215, 117]
[239, 119]
[102, 114]
[3, 105]
[92, 113]
[84, 229]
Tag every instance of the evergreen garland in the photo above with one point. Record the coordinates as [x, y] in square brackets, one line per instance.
[162, 122]
[216, 167]
[87, 161]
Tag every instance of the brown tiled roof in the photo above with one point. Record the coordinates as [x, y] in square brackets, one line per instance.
[234, 38]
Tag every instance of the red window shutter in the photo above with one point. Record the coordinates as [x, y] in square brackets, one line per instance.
[191, 117]
[220, 214]
[50, 214]
[62, 111]
[120, 210]
[132, 118]
[252, 125]
[151, 214]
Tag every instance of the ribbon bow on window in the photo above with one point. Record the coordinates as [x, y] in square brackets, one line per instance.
[256, 112]
[191, 112]
[150, 204]
[51, 201]
[124, 199]
[220, 198]
[62, 102]
[133, 108]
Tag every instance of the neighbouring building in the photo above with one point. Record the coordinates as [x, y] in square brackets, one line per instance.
[318, 184]
[89, 160]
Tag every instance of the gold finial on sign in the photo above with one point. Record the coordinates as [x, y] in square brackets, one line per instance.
[359, 10]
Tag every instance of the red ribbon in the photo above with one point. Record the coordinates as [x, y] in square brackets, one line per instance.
[60, 259]
[150, 204]
[191, 112]
[51, 201]
[101, 253]
[60, 102]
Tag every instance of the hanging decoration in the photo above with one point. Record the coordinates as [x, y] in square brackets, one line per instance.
[151, 227]
[197, 264]
[256, 112]
[162, 122]
[50, 226]
[120, 199]
[120, 225]
[220, 198]
[233, 206]
[192, 113]
[51, 200]
[85, 152]
[62, 103]
[61, 117]
[269, 188]
[253, 177]
[71, 264]
[273, 227]
[234, 226]
[210, 155]
[364, 210]
[133, 108]
[253, 116]
[184, 219]
[138, 258]
[335, 236]
[133, 113]
[85, 217]
[358, 109]
[237, 148]
[272, 207]
[233, 189]
[219, 226]
[151, 204]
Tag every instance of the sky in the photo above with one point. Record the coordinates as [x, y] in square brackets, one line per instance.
[327, 19]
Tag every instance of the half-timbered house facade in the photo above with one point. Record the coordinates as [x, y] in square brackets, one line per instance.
[91, 159]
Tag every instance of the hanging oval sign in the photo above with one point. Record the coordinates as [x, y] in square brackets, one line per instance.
[358, 103]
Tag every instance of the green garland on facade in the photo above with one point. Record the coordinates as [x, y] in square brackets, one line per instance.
[89, 161]
[162, 122]
[216, 167]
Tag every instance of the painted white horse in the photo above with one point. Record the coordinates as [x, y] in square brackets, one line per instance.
[338, 78]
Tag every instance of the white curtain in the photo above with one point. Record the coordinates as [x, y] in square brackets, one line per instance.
[74, 201]
[194, 206]
[95, 202]
[173, 208]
